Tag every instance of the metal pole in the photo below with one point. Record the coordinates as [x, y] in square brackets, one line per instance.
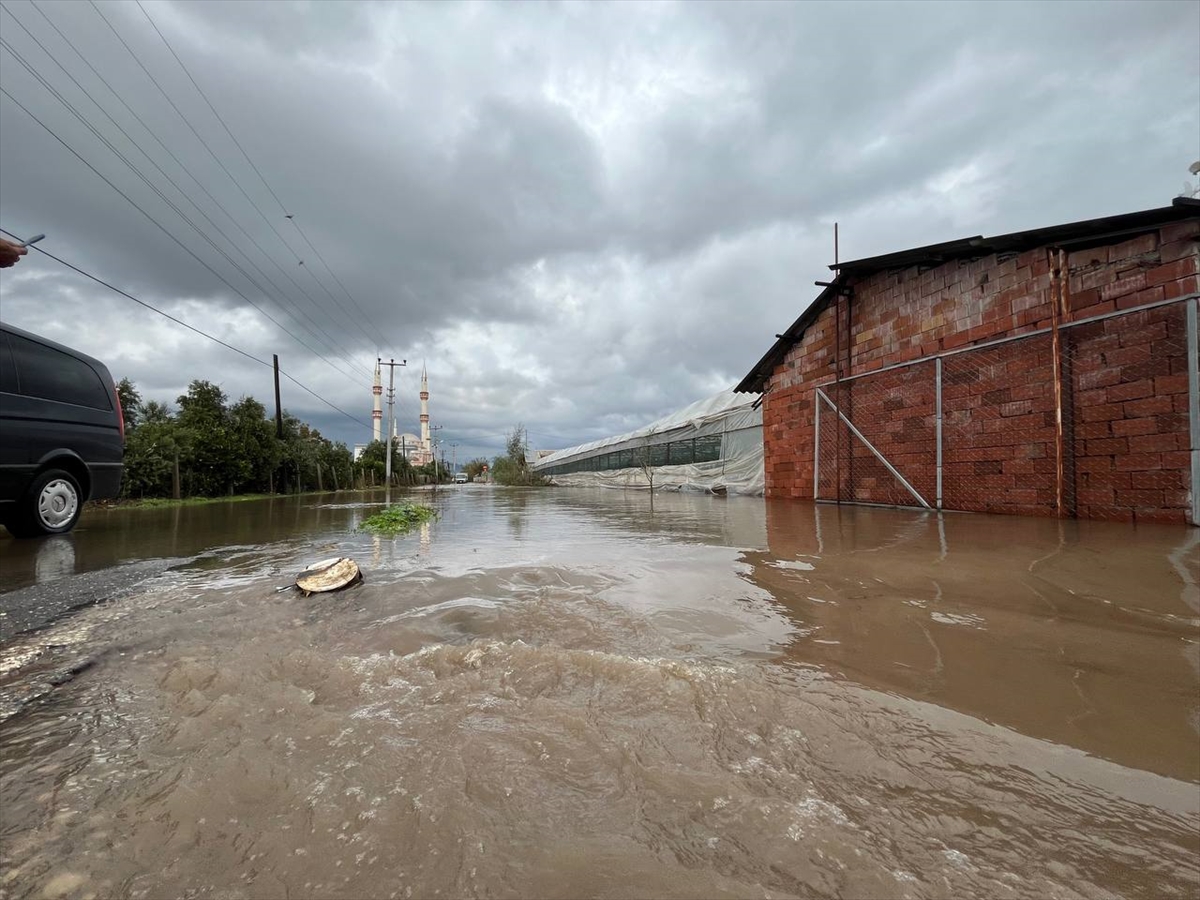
[1056, 295]
[837, 374]
[1193, 362]
[937, 369]
[391, 416]
[817, 395]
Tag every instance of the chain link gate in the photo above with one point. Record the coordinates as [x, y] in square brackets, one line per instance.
[1098, 418]
[876, 438]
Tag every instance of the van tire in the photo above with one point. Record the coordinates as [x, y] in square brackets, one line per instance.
[52, 505]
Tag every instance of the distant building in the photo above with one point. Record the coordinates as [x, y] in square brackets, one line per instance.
[1048, 372]
[409, 445]
[418, 450]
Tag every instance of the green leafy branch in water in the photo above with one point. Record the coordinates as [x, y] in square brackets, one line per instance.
[396, 519]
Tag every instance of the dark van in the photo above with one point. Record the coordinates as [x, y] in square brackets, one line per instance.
[62, 435]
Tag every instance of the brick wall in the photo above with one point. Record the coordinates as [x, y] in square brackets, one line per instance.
[1125, 384]
[999, 429]
[1130, 436]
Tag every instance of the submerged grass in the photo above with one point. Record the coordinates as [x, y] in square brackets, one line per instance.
[396, 519]
[166, 502]
[163, 502]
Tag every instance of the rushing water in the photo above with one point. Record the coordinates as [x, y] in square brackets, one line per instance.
[565, 693]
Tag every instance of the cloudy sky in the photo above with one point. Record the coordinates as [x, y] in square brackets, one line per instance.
[580, 216]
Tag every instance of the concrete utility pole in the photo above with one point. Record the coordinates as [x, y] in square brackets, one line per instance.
[454, 458]
[391, 364]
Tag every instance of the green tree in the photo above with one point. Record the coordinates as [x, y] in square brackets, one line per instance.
[435, 471]
[153, 411]
[151, 450]
[209, 454]
[131, 403]
[297, 457]
[475, 467]
[403, 471]
[218, 449]
[513, 468]
[337, 464]
[370, 465]
[259, 451]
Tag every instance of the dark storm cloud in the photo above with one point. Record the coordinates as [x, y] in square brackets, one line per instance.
[581, 215]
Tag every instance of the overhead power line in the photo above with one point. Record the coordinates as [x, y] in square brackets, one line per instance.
[151, 218]
[183, 116]
[199, 331]
[61, 98]
[258, 209]
[187, 172]
[257, 171]
[189, 124]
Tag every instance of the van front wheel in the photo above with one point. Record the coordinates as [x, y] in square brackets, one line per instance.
[52, 505]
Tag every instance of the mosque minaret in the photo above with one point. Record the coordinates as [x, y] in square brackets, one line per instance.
[427, 450]
[418, 450]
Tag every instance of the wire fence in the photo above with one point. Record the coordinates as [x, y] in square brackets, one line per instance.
[979, 429]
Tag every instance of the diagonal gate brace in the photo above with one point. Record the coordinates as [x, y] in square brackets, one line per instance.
[879, 456]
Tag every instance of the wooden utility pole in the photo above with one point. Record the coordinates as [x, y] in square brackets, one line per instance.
[278, 407]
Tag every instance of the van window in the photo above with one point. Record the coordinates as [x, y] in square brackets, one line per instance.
[52, 375]
[8, 375]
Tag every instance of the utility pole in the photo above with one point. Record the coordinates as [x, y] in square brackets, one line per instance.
[278, 408]
[454, 458]
[433, 449]
[391, 364]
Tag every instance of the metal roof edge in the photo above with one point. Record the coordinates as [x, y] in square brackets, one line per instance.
[1180, 208]
[756, 378]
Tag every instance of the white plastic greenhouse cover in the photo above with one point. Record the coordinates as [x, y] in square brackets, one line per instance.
[738, 471]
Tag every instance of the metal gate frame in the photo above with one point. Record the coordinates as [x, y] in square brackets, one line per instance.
[821, 395]
[1192, 310]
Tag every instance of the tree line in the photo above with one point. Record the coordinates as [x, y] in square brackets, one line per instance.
[513, 467]
[372, 466]
[209, 447]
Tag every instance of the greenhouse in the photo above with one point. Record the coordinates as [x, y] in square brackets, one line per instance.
[713, 445]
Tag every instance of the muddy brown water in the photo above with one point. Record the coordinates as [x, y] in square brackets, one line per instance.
[566, 693]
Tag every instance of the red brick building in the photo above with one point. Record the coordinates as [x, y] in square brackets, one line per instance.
[1048, 372]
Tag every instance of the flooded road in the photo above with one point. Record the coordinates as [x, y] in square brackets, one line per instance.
[566, 693]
